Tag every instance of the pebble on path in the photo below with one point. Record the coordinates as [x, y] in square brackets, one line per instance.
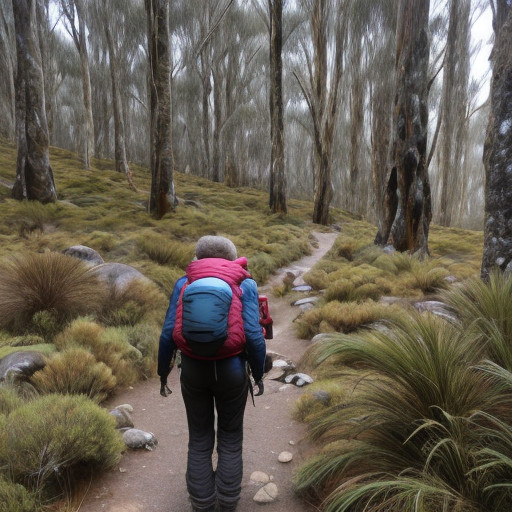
[259, 477]
[266, 494]
[285, 457]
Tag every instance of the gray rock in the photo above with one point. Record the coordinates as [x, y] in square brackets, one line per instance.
[123, 418]
[435, 307]
[299, 379]
[21, 365]
[302, 288]
[84, 253]
[306, 300]
[135, 438]
[118, 275]
[321, 336]
[322, 397]
[285, 457]
[267, 494]
[259, 477]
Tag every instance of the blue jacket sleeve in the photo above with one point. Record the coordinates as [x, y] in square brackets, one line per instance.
[167, 347]
[255, 342]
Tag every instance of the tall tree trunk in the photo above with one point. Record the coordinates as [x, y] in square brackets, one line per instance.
[121, 162]
[497, 251]
[163, 197]
[407, 203]
[9, 129]
[277, 198]
[357, 197]
[217, 124]
[454, 98]
[34, 176]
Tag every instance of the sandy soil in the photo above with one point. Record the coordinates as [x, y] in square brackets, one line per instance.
[154, 481]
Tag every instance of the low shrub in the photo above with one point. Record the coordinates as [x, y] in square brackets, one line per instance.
[75, 372]
[9, 400]
[166, 252]
[39, 292]
[15, 498]
[136, 303]
[108, 345]
[54, 438]
[145, 338]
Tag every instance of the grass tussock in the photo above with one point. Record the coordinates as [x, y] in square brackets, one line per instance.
[75, 372]
[53, 439]
[421, 416]
[108, 345]
[345, 317]
[9, 400]
[166, 252]
[138, 302]
[40, 292]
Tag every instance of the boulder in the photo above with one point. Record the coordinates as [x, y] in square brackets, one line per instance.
[118, 275]
[84, 253]
[21, 365]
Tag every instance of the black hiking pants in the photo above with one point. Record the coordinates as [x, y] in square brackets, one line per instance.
[207, 386]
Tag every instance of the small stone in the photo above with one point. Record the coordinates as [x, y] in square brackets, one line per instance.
[258, 477]
[135, 438]
[122, 470]
[123, 418]
[285, 457]
[302, 288]
[267, 494]
[291, 443]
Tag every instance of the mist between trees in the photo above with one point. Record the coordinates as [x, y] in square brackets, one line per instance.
[338, 87]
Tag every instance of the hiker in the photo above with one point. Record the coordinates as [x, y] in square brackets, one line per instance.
[214, 363]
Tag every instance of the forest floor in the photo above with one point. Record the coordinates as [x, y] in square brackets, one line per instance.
[154, 481]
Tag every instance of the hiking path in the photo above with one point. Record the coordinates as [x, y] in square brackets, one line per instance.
[154, 481]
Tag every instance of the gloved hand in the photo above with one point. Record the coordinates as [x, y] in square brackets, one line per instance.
[165, 390]
[261, 388]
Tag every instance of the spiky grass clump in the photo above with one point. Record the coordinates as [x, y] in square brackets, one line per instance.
[344, 317]
[166, 252]
[136, 303]
[43, 291]
[484, 310]
[15, 498]
[108, 345]
[75, 372]
[412, 435]
[52, 439]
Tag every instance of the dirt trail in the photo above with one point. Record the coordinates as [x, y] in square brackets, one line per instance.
[154, 481]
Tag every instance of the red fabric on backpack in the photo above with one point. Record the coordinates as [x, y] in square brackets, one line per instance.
[233, 273]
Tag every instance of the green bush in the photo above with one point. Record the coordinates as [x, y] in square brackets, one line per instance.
[166, 252]
[15, 498]
[136, 303]
[108, 345]
[75, 372]
[52, 439]
[39, 292]
[9, 399]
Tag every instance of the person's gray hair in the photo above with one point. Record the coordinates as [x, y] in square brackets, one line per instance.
[215, 247]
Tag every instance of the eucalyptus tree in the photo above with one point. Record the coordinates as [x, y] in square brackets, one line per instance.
[407, 204]
[277, 196]
[381, 47]
[454, 120]
[7, 68]
[498, 148]
[34, 176]
[163, 197]
[328, 21]
[74, 12]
